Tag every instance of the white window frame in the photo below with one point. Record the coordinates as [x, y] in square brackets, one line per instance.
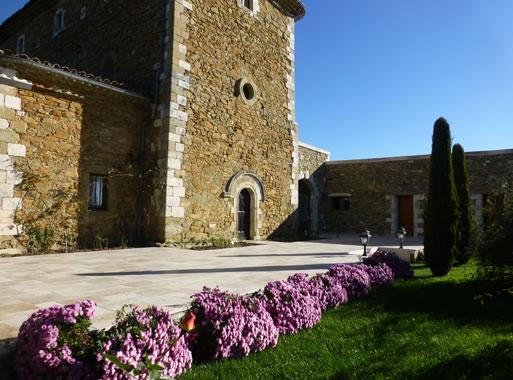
[57, 29]
[21, 40]
[254, 9]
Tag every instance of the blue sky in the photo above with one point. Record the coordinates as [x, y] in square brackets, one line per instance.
[372, 76]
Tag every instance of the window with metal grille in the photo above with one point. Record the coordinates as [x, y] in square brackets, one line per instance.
[98, 192]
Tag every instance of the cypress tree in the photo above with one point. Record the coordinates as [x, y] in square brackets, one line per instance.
[440, 215]
[466, 229]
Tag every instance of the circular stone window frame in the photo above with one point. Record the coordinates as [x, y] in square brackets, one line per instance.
[243, 83]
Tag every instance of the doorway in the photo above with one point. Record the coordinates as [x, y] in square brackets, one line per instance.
[304, 210]
[244, 215]
[406, 214]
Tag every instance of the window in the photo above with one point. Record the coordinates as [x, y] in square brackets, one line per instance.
[341, 203]
[58, 22]
[247, 91]
[98, 192]
[20, 45]
[248, 4]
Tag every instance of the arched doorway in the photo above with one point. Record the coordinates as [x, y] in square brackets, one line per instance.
[304, 210]
[244, 215]
[246, 190]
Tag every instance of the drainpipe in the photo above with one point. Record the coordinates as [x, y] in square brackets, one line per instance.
[142, 140]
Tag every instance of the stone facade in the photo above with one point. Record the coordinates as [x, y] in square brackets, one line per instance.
[56, 131]
[373, 187]
[206, 134]
[221, 80]
[311, 179]
[116, 39]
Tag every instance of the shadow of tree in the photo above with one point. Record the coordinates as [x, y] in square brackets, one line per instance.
[450, 300]
[7, 361]
[489, 363]
[271, 268]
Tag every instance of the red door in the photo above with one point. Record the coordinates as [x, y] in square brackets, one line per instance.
[405, 203]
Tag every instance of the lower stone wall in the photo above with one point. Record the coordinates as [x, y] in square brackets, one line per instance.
[54, 133]
[373, 187]
[311, 177]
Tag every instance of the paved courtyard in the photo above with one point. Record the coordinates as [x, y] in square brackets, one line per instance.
[166, 277]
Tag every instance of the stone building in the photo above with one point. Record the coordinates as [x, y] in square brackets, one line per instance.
[200, 96]
[386, 193]
[192, 134]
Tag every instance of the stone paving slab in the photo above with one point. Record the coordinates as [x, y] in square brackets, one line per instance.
[165, 277]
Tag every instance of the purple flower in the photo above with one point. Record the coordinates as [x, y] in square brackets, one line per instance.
[39, 353]
[400, 268]
[379, 274]
[141, 335]
[292, 307]
[352, 278]
[229, 325]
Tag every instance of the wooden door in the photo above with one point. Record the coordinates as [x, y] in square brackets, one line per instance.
[244, 215]
[405, 205]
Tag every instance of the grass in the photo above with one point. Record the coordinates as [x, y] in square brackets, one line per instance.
[427, 328]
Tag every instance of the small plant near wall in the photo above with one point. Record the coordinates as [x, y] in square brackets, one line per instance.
[101, 242]
[207, 244]
[43, 221]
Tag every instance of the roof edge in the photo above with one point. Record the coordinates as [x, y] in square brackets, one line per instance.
[56, 69]
[314, 148]
[291, 8]
[418, 157]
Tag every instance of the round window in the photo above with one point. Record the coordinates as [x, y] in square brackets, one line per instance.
[247, 91]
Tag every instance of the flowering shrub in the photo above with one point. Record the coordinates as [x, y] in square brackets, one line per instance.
[352, 278]
[231, 325]
[292, 307]
[325, 289]
[147, 344]
[400, 268]
[142, 342]
[55, 342]
[379, 274]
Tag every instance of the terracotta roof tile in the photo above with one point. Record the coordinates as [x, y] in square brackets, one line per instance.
[8, 53]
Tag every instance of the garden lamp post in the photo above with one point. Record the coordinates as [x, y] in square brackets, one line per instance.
[364, 239]
[401, 235]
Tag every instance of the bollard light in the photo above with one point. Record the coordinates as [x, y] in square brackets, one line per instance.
[401, 235]
[364, 239]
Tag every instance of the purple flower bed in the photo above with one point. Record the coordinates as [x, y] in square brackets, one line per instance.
[400, 268]
[56, 342]
[42, 348]
[292, 307]
[140, 340]
[352, 278]
[231, 325]
[323, 288]
[379, 274]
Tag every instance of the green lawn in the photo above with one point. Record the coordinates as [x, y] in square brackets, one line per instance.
[428, 328]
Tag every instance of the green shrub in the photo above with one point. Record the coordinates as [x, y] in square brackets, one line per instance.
[465, 240]
[496, 246]
[441, 209]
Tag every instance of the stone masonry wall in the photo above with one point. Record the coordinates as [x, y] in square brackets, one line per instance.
[374, 185]
[214, 134]
[311, 159]
[64, 132]
[117, 39]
